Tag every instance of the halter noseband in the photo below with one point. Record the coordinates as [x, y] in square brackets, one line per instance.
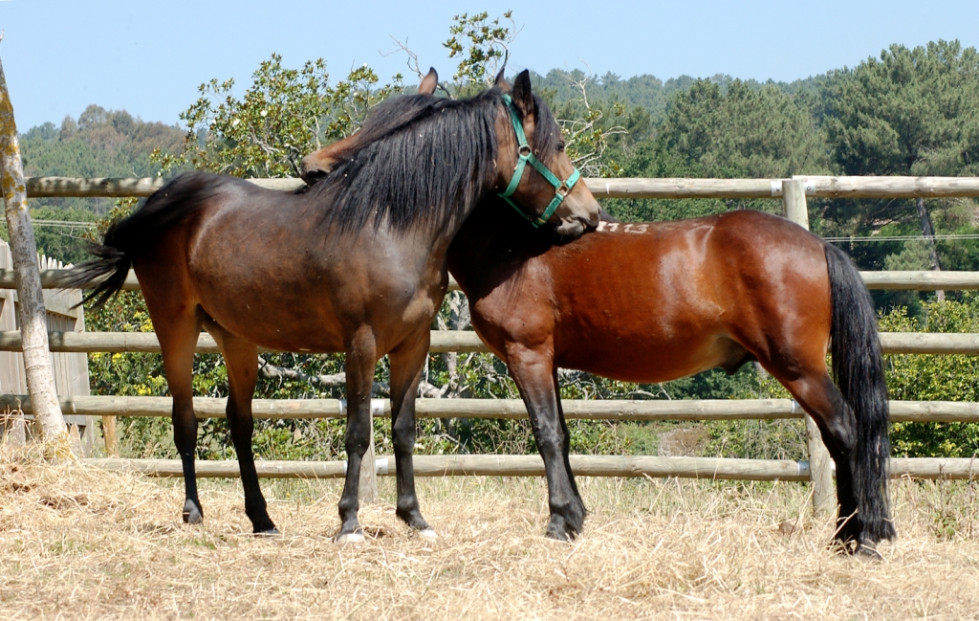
[561, 188]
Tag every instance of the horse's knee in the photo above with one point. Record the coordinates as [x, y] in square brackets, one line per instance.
[403, 437]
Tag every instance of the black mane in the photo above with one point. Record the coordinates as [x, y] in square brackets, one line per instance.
[408, 171]
[399, 174]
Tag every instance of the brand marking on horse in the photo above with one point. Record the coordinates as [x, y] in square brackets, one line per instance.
[622, 227]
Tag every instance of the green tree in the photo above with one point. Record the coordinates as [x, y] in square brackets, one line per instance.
[481, 45]
[284, 115]
[736, 130]
[910, 112]
[742, 131]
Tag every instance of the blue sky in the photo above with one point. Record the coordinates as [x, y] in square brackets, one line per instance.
[149, 57]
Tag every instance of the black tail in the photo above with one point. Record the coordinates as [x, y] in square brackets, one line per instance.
[859, 372]
[166, 207]
[107, 274]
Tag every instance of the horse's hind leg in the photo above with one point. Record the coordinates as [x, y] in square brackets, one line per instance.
[536, 378]
[406, 367]
[819, 396]
[241, 359]
[178, 339]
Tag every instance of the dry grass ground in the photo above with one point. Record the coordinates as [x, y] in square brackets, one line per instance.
[78, 543]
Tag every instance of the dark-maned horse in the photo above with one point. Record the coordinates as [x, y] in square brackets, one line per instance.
[356, 264]
[653, 302]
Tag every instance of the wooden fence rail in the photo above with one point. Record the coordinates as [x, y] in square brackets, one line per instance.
[619, 410]
[814, 186]
[792, 192]
[446, 341]
[532, 465]
[916, 280]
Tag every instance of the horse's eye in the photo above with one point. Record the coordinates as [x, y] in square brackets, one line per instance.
[560, 147]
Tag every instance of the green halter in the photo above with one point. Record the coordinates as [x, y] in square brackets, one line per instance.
[561, 188]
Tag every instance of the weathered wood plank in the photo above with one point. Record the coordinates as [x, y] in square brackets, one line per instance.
[115, 187]
[901, 280]
[447, 340]
[612, 410]
[815, 185]
[531, 465]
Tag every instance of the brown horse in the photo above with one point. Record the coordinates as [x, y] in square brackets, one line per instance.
[356, 264]
[653, 302]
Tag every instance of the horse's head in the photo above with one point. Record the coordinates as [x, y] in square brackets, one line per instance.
[318, 164]
[548, 190]
[545, 192]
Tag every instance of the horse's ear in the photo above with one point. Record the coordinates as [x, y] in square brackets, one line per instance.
[522, 94]
[500, 82]
[429, 82]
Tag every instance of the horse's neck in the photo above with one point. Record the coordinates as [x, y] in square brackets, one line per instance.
[490, 246]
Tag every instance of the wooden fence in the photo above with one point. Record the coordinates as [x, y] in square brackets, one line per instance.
[793, 193]
[70, 368]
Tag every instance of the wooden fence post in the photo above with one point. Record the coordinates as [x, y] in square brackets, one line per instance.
[30, 307]
[820, 463]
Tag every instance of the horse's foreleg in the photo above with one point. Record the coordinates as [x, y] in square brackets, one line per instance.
[361, 358]
[241, 359]
[536, 378]
[406, 366]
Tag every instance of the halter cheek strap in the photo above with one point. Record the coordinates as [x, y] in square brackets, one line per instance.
[525, 156]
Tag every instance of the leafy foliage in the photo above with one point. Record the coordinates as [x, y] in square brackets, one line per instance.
[935, 378]
[284, 115]
[480, 44]
[910, 112]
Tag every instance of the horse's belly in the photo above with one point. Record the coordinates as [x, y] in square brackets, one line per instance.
[292, 329]
[649, 361]
[323, 318]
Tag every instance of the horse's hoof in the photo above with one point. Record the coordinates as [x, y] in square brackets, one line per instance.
[428, 534]
[559, 535]
[192, 516]
[268, 532]
[866, 552]
[356, 537]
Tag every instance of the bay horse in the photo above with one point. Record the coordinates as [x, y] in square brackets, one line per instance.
[356, 264]
[653, 302]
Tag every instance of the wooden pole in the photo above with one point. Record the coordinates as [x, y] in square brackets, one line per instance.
[820, 463]
[30, 309]
[707, 468]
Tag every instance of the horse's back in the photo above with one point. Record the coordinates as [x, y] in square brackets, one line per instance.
[657, 301]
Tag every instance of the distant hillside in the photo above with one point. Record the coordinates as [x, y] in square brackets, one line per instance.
[100, 143]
